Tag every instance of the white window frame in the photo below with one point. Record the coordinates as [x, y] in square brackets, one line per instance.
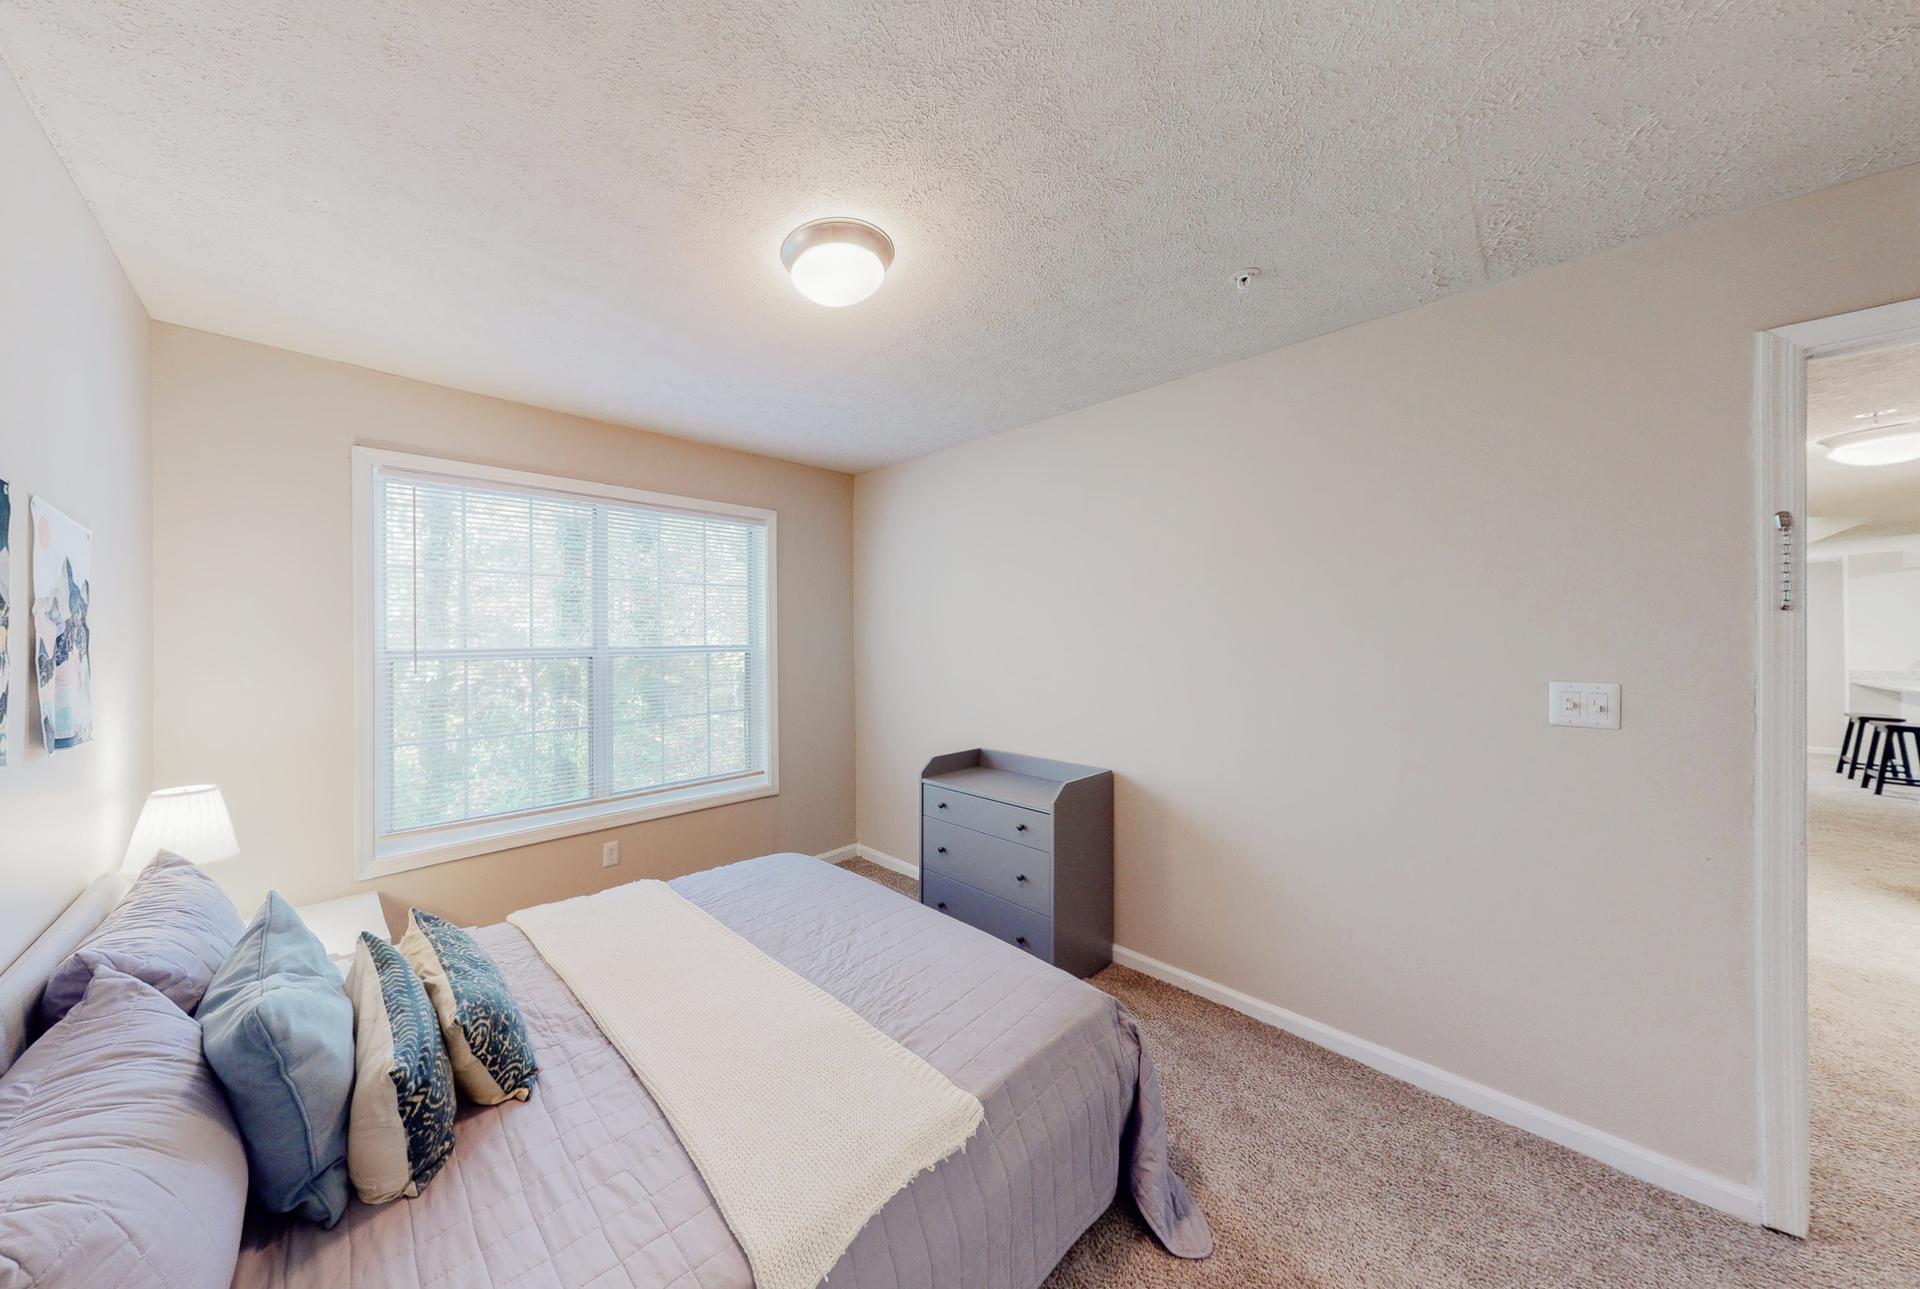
[377, 856]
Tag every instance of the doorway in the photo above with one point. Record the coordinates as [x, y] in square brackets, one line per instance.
[1839, 878]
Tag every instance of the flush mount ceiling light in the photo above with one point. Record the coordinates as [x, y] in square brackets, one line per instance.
[1879, 442]
[837, 262]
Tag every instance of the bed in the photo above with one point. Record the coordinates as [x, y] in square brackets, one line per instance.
[586, 1184]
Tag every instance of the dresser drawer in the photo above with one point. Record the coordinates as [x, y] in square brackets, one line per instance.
[1022, 928]
[1018, 874]
[1028, 827]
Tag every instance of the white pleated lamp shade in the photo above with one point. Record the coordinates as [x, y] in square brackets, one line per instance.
[192, 822]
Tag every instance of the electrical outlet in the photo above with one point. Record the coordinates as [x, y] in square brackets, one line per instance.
[609, 854]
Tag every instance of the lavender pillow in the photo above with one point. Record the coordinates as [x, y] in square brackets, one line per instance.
[119, 1163]
[173, 930]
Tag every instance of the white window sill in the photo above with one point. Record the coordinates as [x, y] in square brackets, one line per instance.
[400, 852]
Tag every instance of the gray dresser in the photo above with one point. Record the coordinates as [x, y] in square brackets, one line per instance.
[1022, 848]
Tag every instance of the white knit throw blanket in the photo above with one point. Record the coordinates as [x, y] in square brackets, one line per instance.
[803, 1119]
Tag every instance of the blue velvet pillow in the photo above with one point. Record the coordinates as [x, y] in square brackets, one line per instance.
[278, 1032]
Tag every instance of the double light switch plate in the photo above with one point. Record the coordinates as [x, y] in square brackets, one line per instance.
[1584, 704]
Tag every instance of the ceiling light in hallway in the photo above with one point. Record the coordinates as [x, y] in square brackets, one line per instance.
[1879, 442]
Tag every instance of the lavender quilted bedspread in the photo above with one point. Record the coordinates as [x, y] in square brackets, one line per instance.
[586, 1187]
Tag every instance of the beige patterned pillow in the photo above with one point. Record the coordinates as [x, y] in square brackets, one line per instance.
[400, 1123]
[486, 1038]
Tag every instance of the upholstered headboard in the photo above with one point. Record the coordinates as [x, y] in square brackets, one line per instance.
[22, 979]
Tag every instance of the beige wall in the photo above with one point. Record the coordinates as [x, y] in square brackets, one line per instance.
[73, 428]
[253, 619]
[1306, 606]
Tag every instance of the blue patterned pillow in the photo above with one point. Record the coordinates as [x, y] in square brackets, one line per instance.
[400, 1129]
[486, 1038]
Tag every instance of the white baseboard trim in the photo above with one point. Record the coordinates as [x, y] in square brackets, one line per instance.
[1742, 1201]
[887, 861]
[868, 853]
[1823, 751]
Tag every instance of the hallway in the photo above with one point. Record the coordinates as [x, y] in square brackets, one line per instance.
[1863, 985]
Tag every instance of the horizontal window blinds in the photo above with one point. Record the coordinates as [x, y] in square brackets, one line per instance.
[537, 650]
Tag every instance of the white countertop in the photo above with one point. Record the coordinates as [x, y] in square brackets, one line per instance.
[1901, 682]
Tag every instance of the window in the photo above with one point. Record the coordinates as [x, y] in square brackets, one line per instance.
[546, 657]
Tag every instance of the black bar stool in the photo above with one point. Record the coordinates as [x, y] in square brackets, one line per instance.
[1876, 742]
[1855, 741]
[1890, 762]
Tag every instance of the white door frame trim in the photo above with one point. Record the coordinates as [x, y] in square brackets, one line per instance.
[1780, 797]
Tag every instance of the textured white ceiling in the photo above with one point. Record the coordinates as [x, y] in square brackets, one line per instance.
[580, 203]
[1887, 496]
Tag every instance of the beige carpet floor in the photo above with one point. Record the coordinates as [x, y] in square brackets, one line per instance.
[1315, 1170]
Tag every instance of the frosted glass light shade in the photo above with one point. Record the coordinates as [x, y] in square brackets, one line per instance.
[1880, 445]
[192, 822]
[837, 262]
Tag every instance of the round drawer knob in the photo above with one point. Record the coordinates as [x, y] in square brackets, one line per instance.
[942, 850]
[941, 905]
[941, 804]
[1020, 877]
[1019, 827]
[1020, 939]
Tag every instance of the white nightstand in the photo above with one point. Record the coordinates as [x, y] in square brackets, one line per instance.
[338, 924]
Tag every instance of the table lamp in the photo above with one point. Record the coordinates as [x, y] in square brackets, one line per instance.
[192, 822]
